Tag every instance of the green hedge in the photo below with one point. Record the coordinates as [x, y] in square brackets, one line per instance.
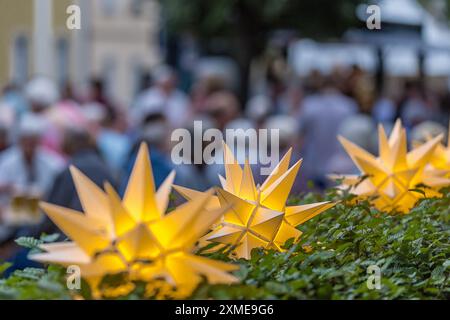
[412, 252]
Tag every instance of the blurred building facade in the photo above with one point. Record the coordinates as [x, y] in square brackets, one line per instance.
[26, 27]
[124, 43]
[118, 40]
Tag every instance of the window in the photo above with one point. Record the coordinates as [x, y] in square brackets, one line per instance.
[109, 7]
[136, 77]
[108, 75]
[62, 61]
[20, 59]
[136, 7]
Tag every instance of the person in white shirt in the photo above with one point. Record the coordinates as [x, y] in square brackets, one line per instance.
[27, 167]
[320, 118]
[164, 93]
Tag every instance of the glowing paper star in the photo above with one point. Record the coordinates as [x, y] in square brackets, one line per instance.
[395, 172]
[441, 157]
[133, 235]
[259, 216]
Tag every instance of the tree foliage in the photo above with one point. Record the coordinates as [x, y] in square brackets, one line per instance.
[241, 28]
[225, 18]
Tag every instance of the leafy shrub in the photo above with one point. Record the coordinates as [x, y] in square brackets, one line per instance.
[330, 261]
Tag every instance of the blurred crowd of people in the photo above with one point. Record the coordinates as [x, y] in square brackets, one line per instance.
[44, 130]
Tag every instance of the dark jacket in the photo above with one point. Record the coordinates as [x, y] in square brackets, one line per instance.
[63, 192]
[88, 162]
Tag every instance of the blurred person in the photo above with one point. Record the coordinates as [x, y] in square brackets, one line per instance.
[4, 137]
[98, 95]
[154, 131]
[79, 146]
[5, 189]
[384, 110]
[426, 130]
[257, 109]
[42, 93]
[415, 107]
[339, 75]
[97, 92]
[320, 118]
[223, 107]
[276, 83]
[288, 130]
[65, 113]
[94, 113]
[145, 107]
[110, 137]
[145, 84]
[175, 103]
[359, 129]
[8, 113]
[444, 109]
[13, 102]
[6, 123]
[146, 81]
[27, 172]
[68, 94]
[203, 88]
[354, 76]
[314, 82]
[27, 165]
[294, 97]
[360, 88]
[199, 176]
[114, 147]
[245, 149]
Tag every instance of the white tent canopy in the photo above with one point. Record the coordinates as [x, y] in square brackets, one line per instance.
[396, 11]
[399, 49]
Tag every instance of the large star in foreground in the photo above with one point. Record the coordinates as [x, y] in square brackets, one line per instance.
[395, 173]
[134, 235]
[259, 216]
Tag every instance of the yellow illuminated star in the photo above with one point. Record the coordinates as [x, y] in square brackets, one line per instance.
[259, 216]
[393, 175]
[134, 235]
[441, 157]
